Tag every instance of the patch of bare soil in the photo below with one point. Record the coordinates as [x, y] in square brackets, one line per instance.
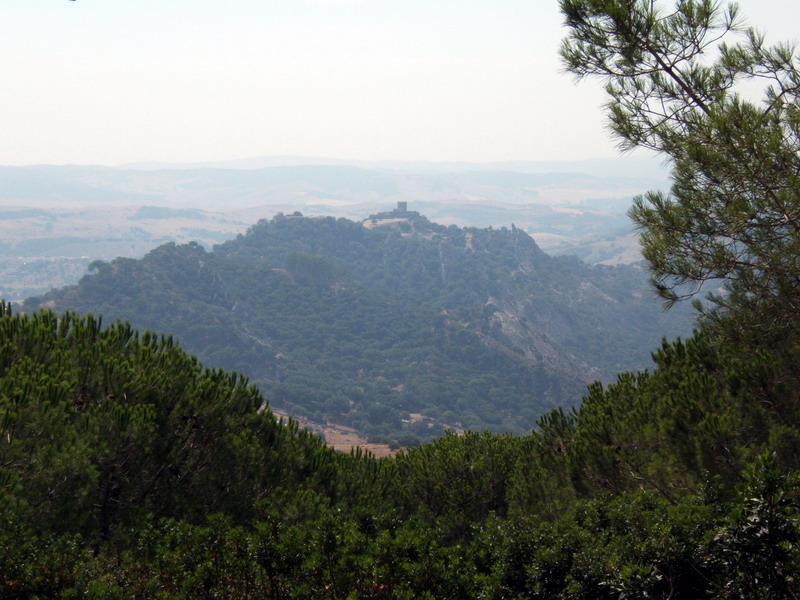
[368, 224]
[340, 437]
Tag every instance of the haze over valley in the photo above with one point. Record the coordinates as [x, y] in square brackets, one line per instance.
[394, 300]
[54, 221]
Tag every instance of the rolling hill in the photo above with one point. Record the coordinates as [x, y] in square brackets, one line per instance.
[395, 326]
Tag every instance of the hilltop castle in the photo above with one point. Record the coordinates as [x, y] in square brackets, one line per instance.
[401, 212]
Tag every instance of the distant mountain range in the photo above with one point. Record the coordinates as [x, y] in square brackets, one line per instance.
[630, 167]
[228, 187]
[395, 326]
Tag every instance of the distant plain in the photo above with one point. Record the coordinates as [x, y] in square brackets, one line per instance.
[55, 220]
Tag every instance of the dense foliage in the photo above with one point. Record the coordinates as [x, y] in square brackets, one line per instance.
[684, 81]
[127, 470]
[337, 321]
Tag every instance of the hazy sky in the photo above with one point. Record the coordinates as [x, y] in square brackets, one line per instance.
[112, 81]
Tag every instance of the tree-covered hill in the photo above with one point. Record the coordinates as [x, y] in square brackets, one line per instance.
[103, 425]
[127, 470]
[397, 327]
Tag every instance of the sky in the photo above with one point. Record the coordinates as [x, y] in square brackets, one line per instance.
[112, 82]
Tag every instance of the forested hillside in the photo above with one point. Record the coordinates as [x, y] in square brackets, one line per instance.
[397, 327]
[127, 470]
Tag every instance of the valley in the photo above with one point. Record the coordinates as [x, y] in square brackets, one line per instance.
[54, 220]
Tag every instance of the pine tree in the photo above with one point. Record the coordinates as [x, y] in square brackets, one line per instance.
[675, 82]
